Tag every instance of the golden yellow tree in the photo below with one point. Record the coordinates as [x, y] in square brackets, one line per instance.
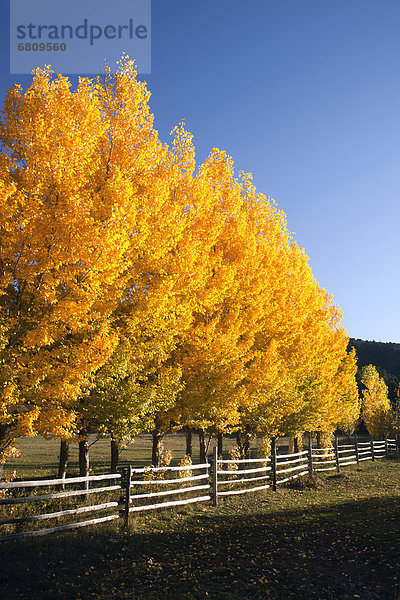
[328, 386]
[299, 335]
[136, 388]
[375, 409]
[213, 350]
[126, 280]
[91, 219]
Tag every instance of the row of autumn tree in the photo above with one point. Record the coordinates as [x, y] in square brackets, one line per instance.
[380, 416]
[136, 291]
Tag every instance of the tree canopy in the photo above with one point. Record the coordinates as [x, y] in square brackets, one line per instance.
[136, 289]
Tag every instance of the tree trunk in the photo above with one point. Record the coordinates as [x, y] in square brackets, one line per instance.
[63, 460]
[319, 439]
[114, 447]
[156, 449]
[243, 442]
[220, 442]
[6, 439]
[295, 443]
[202, 446]
[246, 446]
[84, 462]
[239, 444]
[189, 448]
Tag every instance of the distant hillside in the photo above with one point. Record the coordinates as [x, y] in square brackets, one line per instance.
[383, 355]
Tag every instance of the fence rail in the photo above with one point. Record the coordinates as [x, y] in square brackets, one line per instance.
[163, 487]
[10, 495]
[161, 476]
[234, 475]
[64, 481]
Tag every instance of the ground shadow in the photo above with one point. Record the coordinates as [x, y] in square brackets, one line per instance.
[339, 552]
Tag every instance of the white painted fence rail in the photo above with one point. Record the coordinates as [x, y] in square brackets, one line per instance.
[329, 459]
[235, 476]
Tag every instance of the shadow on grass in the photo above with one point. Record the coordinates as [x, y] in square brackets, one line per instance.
[343, 551]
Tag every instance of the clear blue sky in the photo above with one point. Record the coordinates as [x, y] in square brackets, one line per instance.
[305, 94]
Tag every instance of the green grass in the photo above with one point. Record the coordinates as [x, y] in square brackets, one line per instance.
[336, 542]
[39, 457]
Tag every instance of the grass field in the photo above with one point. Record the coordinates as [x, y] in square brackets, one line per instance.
[39, 457]
[335, 542]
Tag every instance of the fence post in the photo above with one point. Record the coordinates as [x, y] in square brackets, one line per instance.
[126, 484]
[273, 463]
[310, 458]
[386, 447]
[337, 454]
[372, 450]
[214, 486]
[397, 446]
[356, 449]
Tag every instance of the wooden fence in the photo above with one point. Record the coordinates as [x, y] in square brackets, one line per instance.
[149, 488]
[11, 496]
[243, 476]
[173, 480]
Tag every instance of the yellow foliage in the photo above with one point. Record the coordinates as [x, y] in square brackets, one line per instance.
[185, 462]
[135, 290]
[166, 458]
[376, 411]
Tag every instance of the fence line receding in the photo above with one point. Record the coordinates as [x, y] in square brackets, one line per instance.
[135, 490]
